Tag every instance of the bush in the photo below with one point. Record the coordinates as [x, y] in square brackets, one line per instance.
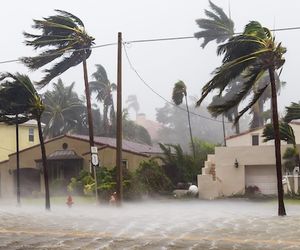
[150, 179]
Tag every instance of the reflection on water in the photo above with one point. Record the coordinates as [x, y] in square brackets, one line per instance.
[152, 225]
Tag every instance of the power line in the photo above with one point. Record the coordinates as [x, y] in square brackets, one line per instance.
[155, 92]
[141, 41]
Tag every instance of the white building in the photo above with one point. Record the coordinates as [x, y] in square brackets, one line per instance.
[246, 161]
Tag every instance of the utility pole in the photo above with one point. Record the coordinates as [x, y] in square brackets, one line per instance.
[119, 123]
[18, 161]
[224, 134]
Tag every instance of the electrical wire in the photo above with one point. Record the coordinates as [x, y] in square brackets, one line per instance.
[159, 95]
[140, 41]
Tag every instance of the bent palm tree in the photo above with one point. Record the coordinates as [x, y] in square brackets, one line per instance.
[254, 52]
[218, 26]
[21, 94]
[63, 110]
[179, 91]
[133, 103]
[62, 33]
[104, 88]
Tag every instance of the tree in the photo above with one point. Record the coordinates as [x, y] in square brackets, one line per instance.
[63, 110]
[179, 91]
[254, 52]
[104, 89]
[286, 133]
[219, 27]
[61, 33]
[292, 112]
[20, 92]
[133, 103]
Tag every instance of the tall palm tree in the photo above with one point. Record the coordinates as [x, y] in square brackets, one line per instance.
[20, 93]
[220, 27]
[63, 110]
[292, 112]
[179, 91]
[60, 34]
[254, 52]
[104, 89]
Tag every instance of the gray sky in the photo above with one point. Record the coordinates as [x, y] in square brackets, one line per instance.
[161, 64]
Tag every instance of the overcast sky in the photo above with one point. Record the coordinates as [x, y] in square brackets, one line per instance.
[161, 64]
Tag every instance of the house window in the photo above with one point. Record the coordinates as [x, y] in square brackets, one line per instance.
[125, 164]
[255, 140]
[31, 135]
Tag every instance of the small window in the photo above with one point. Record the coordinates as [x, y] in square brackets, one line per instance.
[255, 140]
[31, 134]
[125, 164]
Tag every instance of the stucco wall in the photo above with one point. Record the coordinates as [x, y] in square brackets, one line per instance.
[232, 179]
[28, 157]
[8, 139]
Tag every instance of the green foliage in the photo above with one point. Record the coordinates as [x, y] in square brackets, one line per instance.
[182, 167]
[104, 90]
[150, 179]
[254, 52]
[60, 33]
[179, 91]
[218, 26]
[292, 112]
[135, 132]
[286, 133]
[63, 110]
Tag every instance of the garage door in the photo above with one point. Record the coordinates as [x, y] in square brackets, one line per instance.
[264, 177]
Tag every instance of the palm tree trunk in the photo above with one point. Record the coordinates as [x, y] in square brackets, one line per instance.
[18, 162]
[224, 132]
[237, 125]
[105, 120]
[281, 208]
[190, 128]
[45, 164]
[88, 101]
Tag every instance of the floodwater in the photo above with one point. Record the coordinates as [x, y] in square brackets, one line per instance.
[195, 224]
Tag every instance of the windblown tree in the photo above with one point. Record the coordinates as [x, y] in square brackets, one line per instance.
[104, 89]
[255, 51]
[292, 112]
[219, 27]
[286, 133]
[132, 103]
[63, 110]
[20, 94]
[63, 40]
[179, 91]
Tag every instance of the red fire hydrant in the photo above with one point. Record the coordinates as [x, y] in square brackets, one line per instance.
[69, 201]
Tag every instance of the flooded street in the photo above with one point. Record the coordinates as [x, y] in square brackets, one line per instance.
[229, 224]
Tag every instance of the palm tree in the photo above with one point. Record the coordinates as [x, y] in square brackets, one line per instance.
[218, 26]
[103, 89]
[179, 91]
[286, 134]
[21, 93]
[62, 33]
[254, 52]
[63, 110]
[133, 103]
[292, 112]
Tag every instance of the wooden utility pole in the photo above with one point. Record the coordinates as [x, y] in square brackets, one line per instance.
[119, 123]
[18, 161]
[224, 133]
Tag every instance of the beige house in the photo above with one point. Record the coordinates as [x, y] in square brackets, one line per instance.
[246, 161]
[66, 156]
